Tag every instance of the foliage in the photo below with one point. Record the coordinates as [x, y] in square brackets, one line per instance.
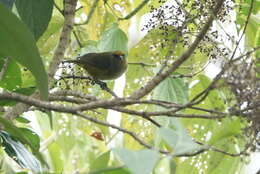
[171, 116]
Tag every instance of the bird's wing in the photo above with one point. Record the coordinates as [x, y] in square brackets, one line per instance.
[95, 60]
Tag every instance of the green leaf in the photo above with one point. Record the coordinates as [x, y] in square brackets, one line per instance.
[172, 90]
[229, 128]
[113, 39]
[251, 31]
[32, 137]
[146, 8]
[36, 14]
[111, 170]
[12, 75]
[149, 53]
[138, 162]
[19, 153]
[222, 163]
[100, 162]
[18, 43]
[21, 137]
[22, 120]
[50, 38]
[173, 166]
[213, 100]
[91, 47]
[165, 165]
[109, 19]
[14, 131]
[55, 152]
[180, 141]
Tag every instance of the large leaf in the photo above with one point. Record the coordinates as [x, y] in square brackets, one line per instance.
[173, 133]
[213, 100]
[36, 14]
[55, 151]
[165, 165]
[113, 39]
[50, 38]
[180, 141]
[100, 162]
[24, 136]
[172, 90]
[11, 78]
[230, 128]
[138, 162]
[32, 137]
[17, 42]
[19, 153]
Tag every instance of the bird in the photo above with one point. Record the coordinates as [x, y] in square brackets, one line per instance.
[103, 65]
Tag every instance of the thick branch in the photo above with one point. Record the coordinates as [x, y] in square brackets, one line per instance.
[4, 68]
[94, 104]
[69, 12]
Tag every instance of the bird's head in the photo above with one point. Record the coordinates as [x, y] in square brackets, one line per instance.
[119, 54]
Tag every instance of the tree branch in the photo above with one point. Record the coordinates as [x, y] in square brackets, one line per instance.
[205, 92]
[90, 14]
[131, 14]
[69, 12]
[160, 77]
[95, 104]
[4, 68]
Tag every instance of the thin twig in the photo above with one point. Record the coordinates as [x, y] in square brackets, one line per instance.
[90, 14]
[141, 64]
[170, 113]
[132, 134]
[77, 39]
[58, 8]
[101, 84]
[210, 147]
[138, 8]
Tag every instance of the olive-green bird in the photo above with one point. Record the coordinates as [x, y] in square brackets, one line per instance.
[103, 66]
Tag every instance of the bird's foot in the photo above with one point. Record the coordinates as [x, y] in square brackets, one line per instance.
[103, 86]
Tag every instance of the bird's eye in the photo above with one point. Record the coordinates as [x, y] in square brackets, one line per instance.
[121, 56]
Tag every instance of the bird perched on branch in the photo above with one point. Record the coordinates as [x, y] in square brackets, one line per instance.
[102, 66]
